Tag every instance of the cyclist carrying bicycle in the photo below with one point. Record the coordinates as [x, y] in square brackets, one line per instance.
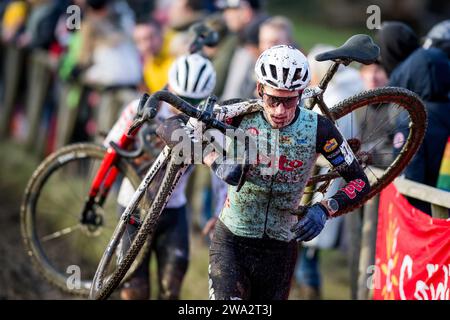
[254, 249]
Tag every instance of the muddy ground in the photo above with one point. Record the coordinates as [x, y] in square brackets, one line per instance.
[18, 278]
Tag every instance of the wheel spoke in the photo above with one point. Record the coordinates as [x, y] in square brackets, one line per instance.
[60, 233]
[46, 210]
[383, 125]
[368, 167]
[365, 119]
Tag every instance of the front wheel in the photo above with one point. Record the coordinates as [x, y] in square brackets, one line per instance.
[384, 127]
[63, 239]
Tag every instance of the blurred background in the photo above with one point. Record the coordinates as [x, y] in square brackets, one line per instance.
[69, 67]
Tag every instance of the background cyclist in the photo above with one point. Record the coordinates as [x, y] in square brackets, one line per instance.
[193, 78]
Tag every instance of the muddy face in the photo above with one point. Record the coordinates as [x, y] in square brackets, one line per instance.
[278, 114]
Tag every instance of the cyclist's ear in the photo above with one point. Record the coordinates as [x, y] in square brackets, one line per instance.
[259, 89]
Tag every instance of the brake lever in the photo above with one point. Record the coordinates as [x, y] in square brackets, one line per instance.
[142, 104]
[128, 154]
[135, 126]
[145, 113]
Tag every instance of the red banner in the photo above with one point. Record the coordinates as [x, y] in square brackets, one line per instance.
[412, 252]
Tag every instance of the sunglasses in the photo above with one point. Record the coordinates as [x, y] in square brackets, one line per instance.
[287, 102]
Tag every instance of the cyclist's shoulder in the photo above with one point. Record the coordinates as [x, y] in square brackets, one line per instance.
[236, 102]
[235, 108]
[322, 121]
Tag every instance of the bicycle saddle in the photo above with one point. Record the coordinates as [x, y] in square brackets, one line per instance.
[359, 48]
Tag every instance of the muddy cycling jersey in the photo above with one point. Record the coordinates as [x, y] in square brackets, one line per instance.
[264, 205]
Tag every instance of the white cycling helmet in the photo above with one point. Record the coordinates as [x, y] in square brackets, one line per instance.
[283, 67]
[192, 76]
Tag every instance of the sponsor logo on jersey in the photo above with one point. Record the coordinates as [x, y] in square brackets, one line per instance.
[353, 187]
[334, 154]
[347, 152]
[284, 164]
[330, 145]
[285, 139]
[253, 131]
[338, 161]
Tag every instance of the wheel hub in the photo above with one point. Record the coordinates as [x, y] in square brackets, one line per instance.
[93, 221]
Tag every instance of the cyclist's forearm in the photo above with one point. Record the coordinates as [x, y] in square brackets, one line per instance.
[356, 188]
[332, 145]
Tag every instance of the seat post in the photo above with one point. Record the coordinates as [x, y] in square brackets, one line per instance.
[329, 75]
[323, 86]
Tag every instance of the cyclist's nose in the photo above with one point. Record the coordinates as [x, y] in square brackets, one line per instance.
[279, 110]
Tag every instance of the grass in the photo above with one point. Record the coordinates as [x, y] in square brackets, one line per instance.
[309, 26]
[308, 34]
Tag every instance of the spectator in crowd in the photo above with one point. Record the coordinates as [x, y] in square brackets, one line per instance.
[3, 6]
[345, 83]
[426, 72]
[156, 61]
[182, 14]
[373, 76]
[141, 8]
[439, 37]
[41, 23]
[275, 31]
[107, 59]
[244, 18]
[121, 11]
[397, 41]
[222, 53]
[13, 21]
[272, 32]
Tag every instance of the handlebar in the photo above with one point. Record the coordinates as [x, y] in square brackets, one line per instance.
[205, 114]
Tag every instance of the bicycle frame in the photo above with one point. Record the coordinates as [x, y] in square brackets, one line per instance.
[127, 215]
[317, 93]
[106, 175]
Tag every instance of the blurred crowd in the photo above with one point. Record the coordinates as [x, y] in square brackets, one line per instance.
[100, 55]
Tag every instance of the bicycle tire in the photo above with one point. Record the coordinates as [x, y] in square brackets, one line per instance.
[33, 190]
[385, 97]
[144, 234]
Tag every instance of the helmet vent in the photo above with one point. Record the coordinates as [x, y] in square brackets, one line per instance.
[199, 77]
[273, 71]
[263, 71]
[187, 75]
[206, 83]
[285, 74]
[271, 83]
[305, 76]
[297, 74]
